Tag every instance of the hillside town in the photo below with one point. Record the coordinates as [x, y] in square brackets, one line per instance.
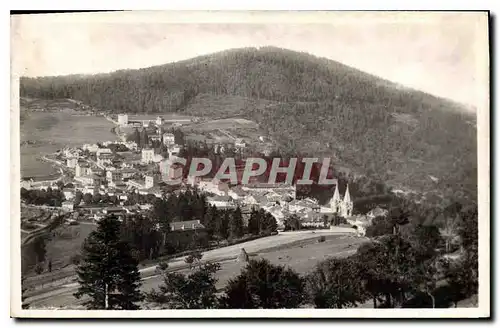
[125, 177]
[253, 177]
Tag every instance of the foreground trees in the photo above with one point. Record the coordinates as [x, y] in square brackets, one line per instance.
[196, 290]
[108, 274]
[264, 285]
[336, 283]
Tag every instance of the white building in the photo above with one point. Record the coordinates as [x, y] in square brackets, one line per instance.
[221, 201]
[91, 147]
[150, 181]
[147, 155]
[101, 151]
[168, 139]
[239, 143]
[123, 119]
[174, 151]
[114, 176]
[69, 206]
[69, 194]
[159, 121]
[82, 169]
[105, 159]
[71, 162]
[128, 173]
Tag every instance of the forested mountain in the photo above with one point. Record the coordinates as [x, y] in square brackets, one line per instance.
[307, 104]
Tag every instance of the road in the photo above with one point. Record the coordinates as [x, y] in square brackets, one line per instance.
[62, 295]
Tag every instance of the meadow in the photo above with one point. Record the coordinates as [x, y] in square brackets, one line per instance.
[43, 133]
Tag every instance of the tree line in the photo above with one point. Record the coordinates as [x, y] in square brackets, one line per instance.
[394, 269]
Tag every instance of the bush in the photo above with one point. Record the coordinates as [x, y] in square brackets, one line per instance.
[39, 268]
[76, 259]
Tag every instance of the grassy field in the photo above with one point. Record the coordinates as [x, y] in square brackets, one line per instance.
[54, 130]
[226, 130]
[67, 242]
[301, 256]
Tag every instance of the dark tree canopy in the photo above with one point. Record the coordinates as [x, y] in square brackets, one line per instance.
[108, 273]
[265, 286]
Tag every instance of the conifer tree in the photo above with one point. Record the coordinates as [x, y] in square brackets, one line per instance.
[108, 273]
[236, 224]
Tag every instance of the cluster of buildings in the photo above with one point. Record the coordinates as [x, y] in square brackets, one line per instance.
[280, 200]
[100, 169]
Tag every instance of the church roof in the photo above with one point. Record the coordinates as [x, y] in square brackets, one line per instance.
[336, 194]
[347, 196]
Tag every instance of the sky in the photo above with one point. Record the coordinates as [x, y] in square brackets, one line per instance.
[445, 54]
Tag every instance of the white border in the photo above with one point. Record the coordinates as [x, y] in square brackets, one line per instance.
[483, 180]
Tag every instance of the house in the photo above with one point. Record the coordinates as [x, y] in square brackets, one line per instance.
[96, 171]
[131, 145]
[221, 202]
[136, 184]
[168, 139]
[114, 176]
[127, 173]
[105, 159]
[213, 186]
[237, 193]
[155, 137]
[159, 121]
[92, 148]
[184, 234]
[123, 119]
[239, 143]
[69, 194]
[150, 181]
[276, 187]
[173, 151]
[71, 162]
[82, 169]
[147, 155]
[377, 211]
[68, 206]
[175, 172]
[114, 210]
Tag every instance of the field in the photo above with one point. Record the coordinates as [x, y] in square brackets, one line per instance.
[293, 249]
[46, 132]
[301, 256]
[66, 243]
[61, 244]
[225, 131]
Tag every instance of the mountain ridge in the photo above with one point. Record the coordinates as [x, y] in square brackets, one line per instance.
[307, 104]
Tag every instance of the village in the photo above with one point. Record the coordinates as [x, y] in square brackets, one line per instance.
[124, 178]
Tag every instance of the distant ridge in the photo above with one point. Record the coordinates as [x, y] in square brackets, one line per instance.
[306, 104]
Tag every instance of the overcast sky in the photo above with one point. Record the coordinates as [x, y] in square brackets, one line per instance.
[441, 53]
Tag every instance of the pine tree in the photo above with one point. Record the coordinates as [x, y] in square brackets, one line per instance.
[254, 223]
[137, 137]
[108, 273]
[144, 138]
[222, 225]
[236, 224]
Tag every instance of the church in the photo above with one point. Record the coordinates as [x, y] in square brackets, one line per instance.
[343, 207]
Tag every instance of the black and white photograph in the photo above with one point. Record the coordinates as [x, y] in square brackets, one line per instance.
[250, 164]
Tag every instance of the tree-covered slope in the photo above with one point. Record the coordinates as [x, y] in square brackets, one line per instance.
[308, 104]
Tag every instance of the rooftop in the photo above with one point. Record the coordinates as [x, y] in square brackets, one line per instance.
[186, 225]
